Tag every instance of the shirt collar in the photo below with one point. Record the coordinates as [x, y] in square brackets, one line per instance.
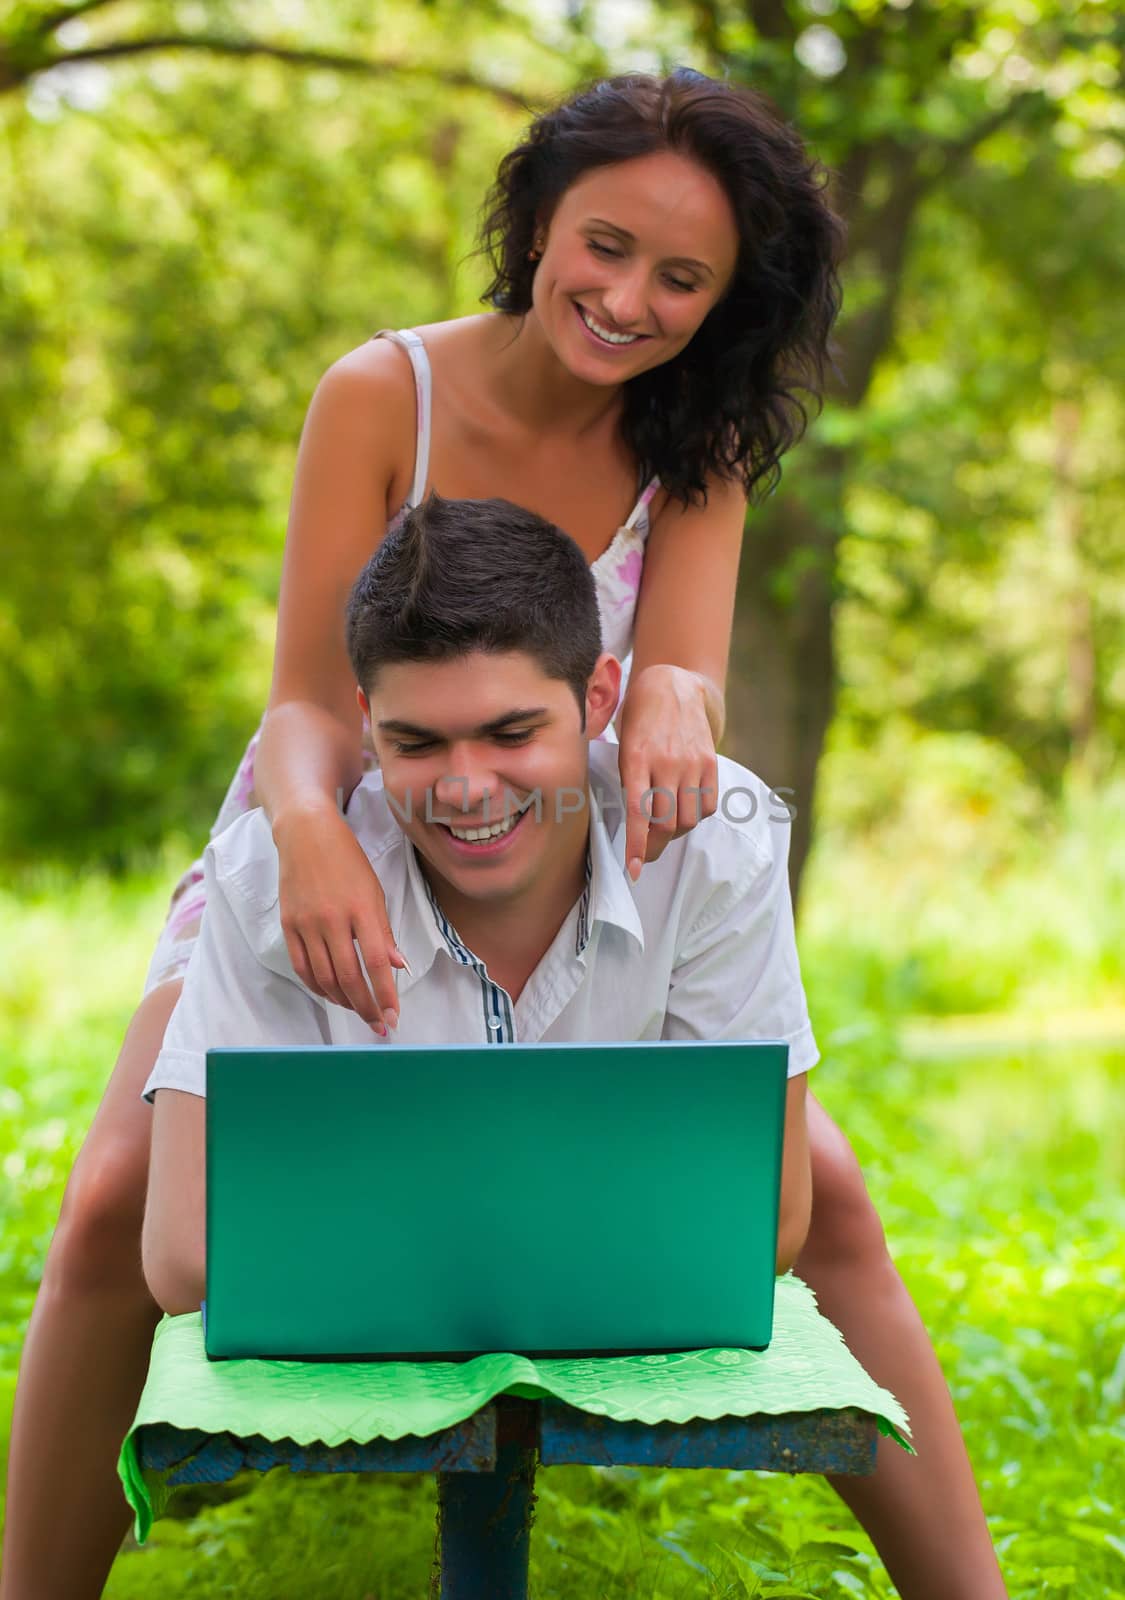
[608, 890]
[452, 940]
[425, 931]
[418, 934]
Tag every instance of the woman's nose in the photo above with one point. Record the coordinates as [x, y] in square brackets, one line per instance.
[624, 300]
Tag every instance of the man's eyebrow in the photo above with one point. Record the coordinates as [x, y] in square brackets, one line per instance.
[414, 731]
[623, 233]
[393, 725]
[521, 714]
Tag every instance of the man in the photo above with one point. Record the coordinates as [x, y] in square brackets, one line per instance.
[496, 828]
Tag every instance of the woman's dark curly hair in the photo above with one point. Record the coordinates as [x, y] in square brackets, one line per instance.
[728, 402]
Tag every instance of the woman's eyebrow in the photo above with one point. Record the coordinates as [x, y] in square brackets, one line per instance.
[631, 238]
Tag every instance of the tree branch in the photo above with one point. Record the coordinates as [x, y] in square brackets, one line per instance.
[865, 336]
[886, 232]
[771, 20]
[50, 20]
[954, 151]
[709, 30]
[11, 75]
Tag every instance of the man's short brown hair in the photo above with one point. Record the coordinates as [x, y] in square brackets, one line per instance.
[465, 575]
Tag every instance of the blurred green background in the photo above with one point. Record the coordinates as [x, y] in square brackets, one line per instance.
[201, 206]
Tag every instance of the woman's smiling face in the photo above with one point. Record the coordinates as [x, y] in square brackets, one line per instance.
[636, 255]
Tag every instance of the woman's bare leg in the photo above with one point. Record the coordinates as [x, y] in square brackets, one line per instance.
[86, 1353]
[922, 1512]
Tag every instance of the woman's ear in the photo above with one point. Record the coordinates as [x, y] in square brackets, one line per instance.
[603, 690]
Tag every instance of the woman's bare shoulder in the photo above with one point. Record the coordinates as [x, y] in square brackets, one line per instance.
[365, 405]
[377, 376]
[724, 506]
[458, 333]
[377, 371]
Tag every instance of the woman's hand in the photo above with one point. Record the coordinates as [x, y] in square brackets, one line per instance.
[330, 902]
[669, 723]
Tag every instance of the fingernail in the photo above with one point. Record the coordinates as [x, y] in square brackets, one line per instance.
[391, 1018]
[405, 963]
[377, 1027]
[635, 868]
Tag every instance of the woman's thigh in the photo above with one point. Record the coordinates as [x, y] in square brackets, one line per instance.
[99, 1226]
[845, 1224]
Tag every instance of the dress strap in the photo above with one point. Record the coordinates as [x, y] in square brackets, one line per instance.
[648, 493]
[412, 343]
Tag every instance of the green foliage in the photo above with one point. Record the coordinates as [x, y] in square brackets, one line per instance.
[173, 282]
[189, 238]
[944, 883]
[995, 1156]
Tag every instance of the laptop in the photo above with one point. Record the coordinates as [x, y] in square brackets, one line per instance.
[415, 1203]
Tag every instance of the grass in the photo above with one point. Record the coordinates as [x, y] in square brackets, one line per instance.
[996, 1161]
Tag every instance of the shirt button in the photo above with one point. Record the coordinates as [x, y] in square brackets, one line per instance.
[494, 1022]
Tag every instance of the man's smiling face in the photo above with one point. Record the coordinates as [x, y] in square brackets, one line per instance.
[484, 759]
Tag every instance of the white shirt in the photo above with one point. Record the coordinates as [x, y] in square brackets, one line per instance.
[700, 947]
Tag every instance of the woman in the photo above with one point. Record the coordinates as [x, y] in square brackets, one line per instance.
[665, 278]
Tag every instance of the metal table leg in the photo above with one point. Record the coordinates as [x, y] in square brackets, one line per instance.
[484, 1518]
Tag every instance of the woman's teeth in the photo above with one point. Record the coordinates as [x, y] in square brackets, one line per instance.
[604, 333]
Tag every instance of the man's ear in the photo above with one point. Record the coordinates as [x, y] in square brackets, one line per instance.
[364, 703]
[603, 690]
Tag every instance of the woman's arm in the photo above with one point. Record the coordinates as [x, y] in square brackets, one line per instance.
[673, 713]
[360, 423]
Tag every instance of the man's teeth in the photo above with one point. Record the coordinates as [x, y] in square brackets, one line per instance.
[604, 333]
[492, 832]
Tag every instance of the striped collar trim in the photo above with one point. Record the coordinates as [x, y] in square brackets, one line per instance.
[499, 1023]
[458, 949]
[582, 934]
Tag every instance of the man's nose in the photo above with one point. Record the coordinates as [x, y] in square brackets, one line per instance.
[464, 785]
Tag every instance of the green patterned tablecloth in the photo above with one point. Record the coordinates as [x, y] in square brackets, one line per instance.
[807, 1367]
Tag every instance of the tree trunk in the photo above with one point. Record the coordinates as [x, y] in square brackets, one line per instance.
[782, 679]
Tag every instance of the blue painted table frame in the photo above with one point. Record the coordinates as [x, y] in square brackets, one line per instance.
[486, 1467]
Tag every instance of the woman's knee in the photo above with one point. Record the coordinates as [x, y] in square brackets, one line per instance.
[97, 1242]
[845, 1224]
